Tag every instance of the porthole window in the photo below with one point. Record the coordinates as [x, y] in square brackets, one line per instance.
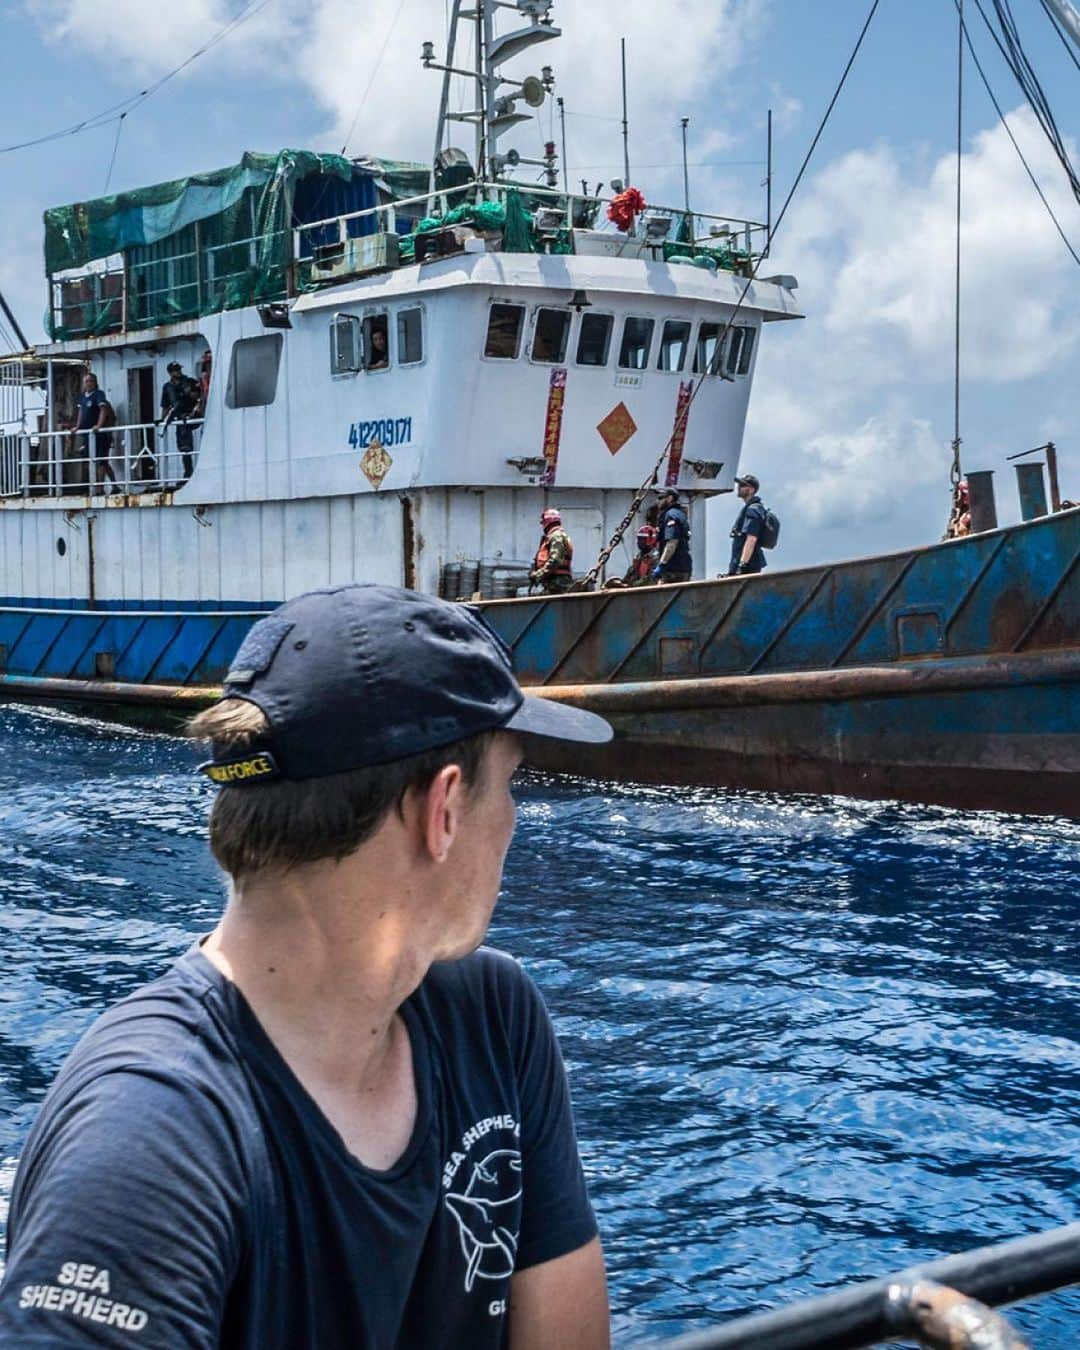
[636, 341]
[504, 331]
[594, 339]
[550, 335]
[346, 345]
[705, 349]
[253, 371]
[61, 546]
[410, 337]
[674, 344]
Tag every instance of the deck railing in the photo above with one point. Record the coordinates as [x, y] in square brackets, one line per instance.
[141, 457]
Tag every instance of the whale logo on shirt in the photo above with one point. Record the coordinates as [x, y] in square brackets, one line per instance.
[482, 1212]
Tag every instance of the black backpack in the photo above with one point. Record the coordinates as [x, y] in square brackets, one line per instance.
[770, 529]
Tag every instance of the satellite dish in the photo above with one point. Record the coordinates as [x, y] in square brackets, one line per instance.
[532, 91]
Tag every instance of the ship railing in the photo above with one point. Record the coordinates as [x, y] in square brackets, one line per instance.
[655, 226]
[142, 457]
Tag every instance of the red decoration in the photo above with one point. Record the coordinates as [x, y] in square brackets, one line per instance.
[623, 208]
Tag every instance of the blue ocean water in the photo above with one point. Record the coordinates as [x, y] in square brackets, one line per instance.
[810, 1041]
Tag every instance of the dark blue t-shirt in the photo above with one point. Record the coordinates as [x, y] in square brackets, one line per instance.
[90, 408]
[675, 525]
[749, 521]
[181, 1189]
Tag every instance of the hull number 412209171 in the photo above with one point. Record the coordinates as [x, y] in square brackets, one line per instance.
[387, 431]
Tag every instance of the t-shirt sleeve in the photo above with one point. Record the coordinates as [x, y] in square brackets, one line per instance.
[556, 1217]
[125, 1225]
[755, 520]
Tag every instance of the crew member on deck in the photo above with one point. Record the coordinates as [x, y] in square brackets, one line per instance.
[643, 564]
[95, 414]
[551, 569]
[181, 398]
[747, 554]
[675, 562]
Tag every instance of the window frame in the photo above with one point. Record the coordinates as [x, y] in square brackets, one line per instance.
[650, 319]
[711, 366]
[420, 309]
[568, 314]
[505, 304]
[605, 364]
[743, 352]
[271, 341]
[688, 347]
[370, 314]
[344, 372]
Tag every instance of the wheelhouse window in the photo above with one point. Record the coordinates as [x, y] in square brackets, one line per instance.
[705, 349]
[674, 344]
[636, 341]
[377, 342]
[346, 345]
[410, 337]
[550, 335]
[740, 349]
[594, 339]
[504, 331]
[253, 371]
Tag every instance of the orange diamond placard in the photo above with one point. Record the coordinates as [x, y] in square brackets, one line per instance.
[617, 428]
[375, 463]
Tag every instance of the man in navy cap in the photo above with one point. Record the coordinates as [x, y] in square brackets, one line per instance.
[747, 556]
[335, 1123]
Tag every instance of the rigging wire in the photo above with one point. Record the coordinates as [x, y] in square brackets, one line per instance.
[589, 581]
[116, 146]
[955, 473]
[117, 111]
[1056, 25]
[1016, 146]
[374, 71]
[1010, 46]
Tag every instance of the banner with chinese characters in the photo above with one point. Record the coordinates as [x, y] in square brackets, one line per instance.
[553, 425]
[678, 433]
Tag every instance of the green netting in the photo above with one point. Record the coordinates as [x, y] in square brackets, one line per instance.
[728, 259]
[191, 246]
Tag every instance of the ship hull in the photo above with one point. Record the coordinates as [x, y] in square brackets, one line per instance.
[946, 674]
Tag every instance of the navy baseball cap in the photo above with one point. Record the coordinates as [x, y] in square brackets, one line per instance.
[749, 480]
[355, 676]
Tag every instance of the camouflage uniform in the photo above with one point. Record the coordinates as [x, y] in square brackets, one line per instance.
[551, 566]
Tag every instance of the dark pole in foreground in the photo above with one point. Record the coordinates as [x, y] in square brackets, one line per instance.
[625, 121]
[14, 322]
[862, 1316]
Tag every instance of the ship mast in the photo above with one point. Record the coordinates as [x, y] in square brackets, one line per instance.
[494, 110]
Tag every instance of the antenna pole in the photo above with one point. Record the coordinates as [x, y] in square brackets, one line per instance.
[562, 124]
[625, 123]
[955, 473]
[768, 184]
[13, 322]
[685, 122]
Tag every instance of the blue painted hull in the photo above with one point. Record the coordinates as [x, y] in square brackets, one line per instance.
[949, 673]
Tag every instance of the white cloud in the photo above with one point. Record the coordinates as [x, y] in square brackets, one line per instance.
[850, 418]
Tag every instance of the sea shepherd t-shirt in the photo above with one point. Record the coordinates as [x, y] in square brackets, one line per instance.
[181, 1189]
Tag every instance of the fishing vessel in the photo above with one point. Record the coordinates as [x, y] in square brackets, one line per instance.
[393, 368]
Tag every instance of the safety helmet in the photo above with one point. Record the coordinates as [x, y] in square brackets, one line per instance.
[646, 537]
[550, 517]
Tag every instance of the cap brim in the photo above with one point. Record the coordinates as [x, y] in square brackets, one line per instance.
[559, 722]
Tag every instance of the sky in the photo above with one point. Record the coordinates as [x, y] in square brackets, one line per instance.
[851, 415]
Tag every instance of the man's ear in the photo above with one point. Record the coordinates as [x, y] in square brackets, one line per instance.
[441, 810]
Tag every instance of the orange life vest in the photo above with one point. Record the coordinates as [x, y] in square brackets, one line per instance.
[543, 554]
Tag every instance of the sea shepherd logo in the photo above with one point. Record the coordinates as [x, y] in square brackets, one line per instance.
[486, 1200]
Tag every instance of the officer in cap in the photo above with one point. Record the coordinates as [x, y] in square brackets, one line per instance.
[673, 524]
[747, 555]
[336, 1121]
[552, 568]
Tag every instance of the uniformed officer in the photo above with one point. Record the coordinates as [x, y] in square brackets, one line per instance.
[675, 563]
[747, 556]
[551, 569]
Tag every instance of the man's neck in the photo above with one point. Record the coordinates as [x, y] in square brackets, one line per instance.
[325, 962]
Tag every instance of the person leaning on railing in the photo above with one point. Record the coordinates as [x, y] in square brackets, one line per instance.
[181, 398]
